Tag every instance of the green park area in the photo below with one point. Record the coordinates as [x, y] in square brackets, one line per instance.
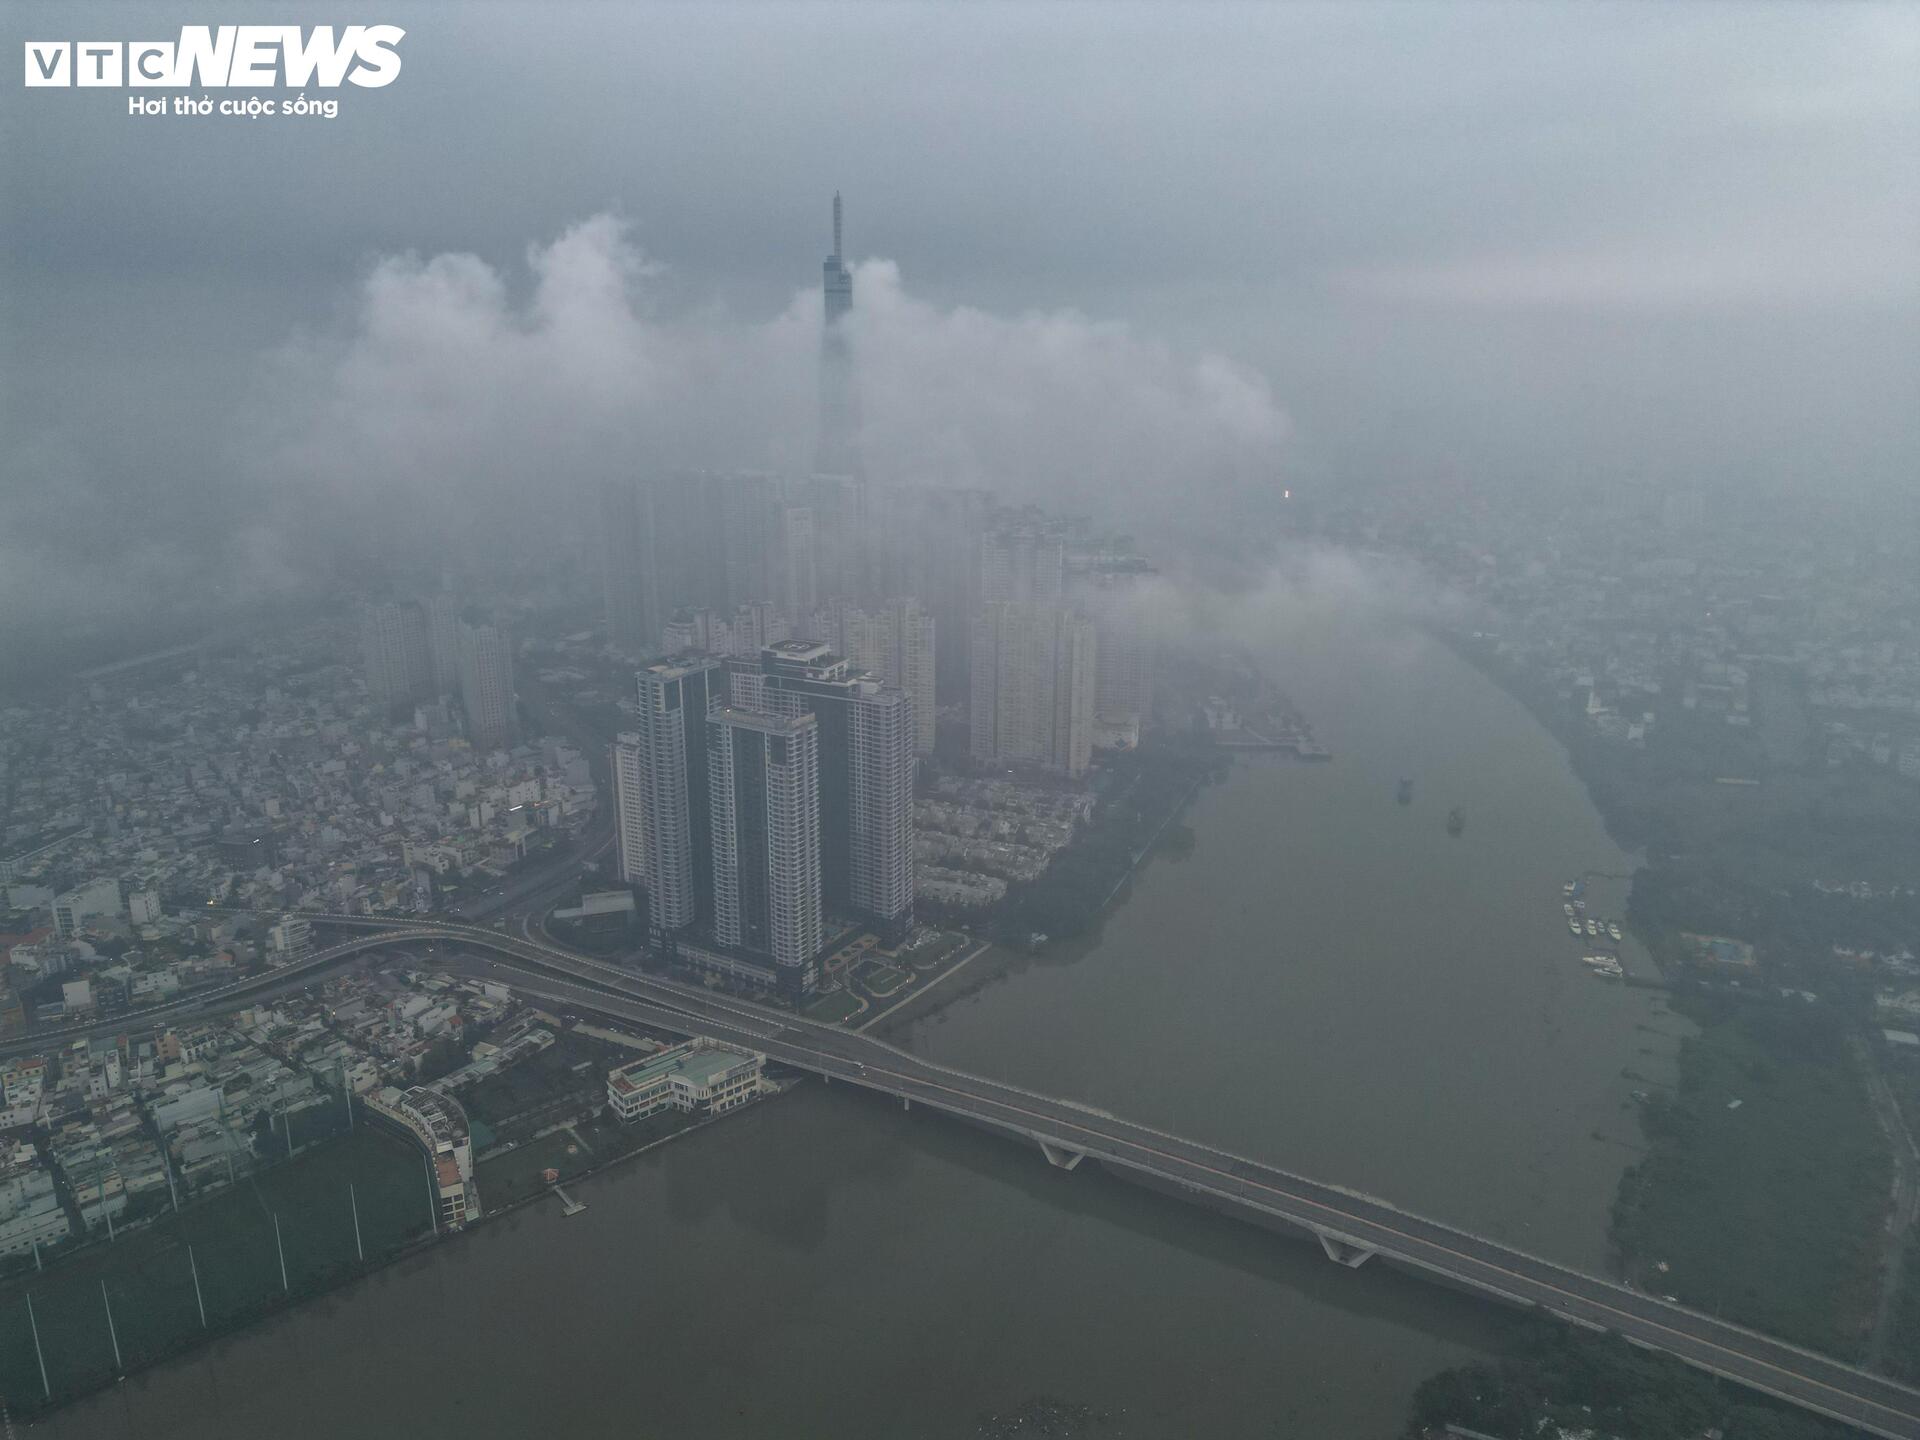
[1766, 1177]
[833, 1007]
[149, 1273]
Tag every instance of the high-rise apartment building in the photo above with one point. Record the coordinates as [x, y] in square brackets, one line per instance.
[630, 807]
[932, 538]
[800, 581]
[674, 841]
[750, 535]
[895, 643]
[1023, 560]
[1116, 599]
[764, 781]
[486, 686]
[866, 740]
[756, 625]
[410, 651]
[443, 641]
[1034, 686]
[397, 654]
[842, 532]
[629, 574]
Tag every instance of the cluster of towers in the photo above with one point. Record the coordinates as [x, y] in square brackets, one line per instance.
[764, 803]
[766, 795]
[416, 652]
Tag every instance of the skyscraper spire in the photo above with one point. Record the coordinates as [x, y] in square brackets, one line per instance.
[835, 454]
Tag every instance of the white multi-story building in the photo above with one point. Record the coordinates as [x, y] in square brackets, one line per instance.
[289, 941]
[91, 901]
[438, 1123]
[700, 1077]
[880, 768]
[144, 907]
[764, 779]
[629, 806]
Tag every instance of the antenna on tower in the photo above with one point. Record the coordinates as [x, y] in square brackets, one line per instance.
[836, 224]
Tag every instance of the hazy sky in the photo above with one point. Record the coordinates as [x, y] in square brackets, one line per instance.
[1358, 242]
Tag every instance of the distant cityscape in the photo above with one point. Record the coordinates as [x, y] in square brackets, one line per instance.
[795, 651]
[817, 741]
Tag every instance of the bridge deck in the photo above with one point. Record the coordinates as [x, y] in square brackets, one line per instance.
[1352, 1223]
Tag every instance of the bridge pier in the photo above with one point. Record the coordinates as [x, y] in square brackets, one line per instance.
[1060, 1155]
[905, 1103]
[1344, 1252]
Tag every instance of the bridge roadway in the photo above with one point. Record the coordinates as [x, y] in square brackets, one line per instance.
[1351, 1227]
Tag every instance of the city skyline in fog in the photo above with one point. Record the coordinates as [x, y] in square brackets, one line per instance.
[1127, 260]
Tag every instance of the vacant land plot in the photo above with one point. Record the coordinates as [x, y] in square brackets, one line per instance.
[508, 1178]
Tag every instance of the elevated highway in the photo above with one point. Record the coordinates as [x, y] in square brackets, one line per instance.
[1350, 1226]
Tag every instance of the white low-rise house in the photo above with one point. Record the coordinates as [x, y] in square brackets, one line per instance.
[701, 1077]
[72, 910]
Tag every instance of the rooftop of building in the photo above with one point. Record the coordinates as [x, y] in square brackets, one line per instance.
[760, 720]
[442, 1116]
[681, 665]
[697, 1061]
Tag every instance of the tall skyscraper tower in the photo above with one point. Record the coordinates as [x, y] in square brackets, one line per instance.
[443, 641]
[486, 686]
[1116, 598]
[676, 843]
[1034, 690]
[397, 650]
[629, 574]
[866, 774]
[895, 643]
[835, 454]
[630, 807]
[1022, 562]
[764, 778]
[799, 570]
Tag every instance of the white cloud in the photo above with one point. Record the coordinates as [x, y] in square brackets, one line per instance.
[447, 389]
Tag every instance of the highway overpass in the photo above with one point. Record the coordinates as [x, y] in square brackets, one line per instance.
[1351, 1227]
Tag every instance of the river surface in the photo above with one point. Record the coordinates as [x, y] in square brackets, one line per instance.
[1328, 981]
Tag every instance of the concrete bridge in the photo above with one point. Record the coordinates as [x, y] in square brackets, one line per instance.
[1350, 1227]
